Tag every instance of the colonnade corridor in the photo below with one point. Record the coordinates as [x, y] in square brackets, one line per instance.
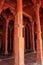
[29, 55]
[29, 34]
[21, 32]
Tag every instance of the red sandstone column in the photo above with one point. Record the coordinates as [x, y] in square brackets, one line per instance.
[32, 32]
[6, 39]
[30, 28]
[18, 36]
[39, 39]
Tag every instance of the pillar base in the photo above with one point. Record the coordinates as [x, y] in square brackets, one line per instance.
[6, 53]
[37, 63]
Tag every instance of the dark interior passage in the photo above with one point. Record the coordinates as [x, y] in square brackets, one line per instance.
[2, 34]
[1, 45]
[27, 39]
[10, 37]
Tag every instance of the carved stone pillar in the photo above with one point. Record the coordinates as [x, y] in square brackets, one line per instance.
[39, 39]
[32, 32]
[6, 39]
[18, 36]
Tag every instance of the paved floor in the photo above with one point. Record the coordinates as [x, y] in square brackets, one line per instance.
[30, 59]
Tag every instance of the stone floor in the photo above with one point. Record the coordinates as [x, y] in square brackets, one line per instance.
[30, 59]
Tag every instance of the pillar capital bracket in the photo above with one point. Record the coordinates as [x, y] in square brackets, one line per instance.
[37, 5]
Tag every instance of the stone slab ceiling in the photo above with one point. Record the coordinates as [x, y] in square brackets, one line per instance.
[28, 6]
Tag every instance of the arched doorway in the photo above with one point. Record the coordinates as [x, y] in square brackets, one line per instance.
[27, 39]
[27, 35]
[8, 15]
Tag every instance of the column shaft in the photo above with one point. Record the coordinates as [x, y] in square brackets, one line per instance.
[6, 39]
[18, 36]
[39, 39]
[32, 32]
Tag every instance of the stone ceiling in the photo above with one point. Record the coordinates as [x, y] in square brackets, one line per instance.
[28, 5]
[29, 8]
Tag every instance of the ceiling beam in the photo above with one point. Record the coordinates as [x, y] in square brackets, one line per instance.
[28, 16]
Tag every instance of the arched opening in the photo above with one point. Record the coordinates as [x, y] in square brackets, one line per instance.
[27, 39]
[10, 36]
[8, 15]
